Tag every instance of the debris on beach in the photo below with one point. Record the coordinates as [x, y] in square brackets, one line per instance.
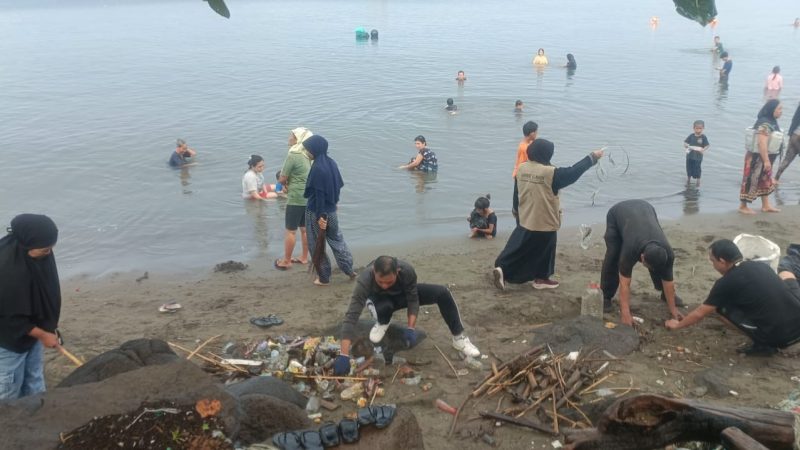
[230, 267]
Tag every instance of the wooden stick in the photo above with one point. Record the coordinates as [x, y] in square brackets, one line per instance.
[448, 361]
[209, 360]
[555, 415]
[458, 412]
[329, 377]
[674, 370]
[576, 408]
[69, 355]
[395, 373]
[521, 422]
[593, 385]
[202, 345]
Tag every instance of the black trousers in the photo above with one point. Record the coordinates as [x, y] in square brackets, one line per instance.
[779, 338]
[515, 202]
[429, 294]
[609, 276]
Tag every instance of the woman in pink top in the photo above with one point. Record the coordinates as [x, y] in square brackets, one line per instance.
[774, 84]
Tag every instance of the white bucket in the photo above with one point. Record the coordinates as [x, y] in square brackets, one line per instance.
[758, 248]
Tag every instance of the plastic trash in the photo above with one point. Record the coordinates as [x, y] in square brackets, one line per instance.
[473, 363]
[312, 407]
[353, 392]
[592, 301]
[412, 381]
[586, 235]
[443, 406]
[758, 248]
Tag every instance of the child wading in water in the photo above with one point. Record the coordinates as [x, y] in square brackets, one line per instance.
[696, 145]
[482, 220]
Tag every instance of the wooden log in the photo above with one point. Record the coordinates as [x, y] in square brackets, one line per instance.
[735, 439]
[652, 421]
[528, 423]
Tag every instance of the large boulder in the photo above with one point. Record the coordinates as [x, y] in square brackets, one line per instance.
[270, 386]
[35, 422]
[584, 332]
[129, 356]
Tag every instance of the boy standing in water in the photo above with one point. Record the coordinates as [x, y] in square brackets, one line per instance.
[696, 145]
[726, 68]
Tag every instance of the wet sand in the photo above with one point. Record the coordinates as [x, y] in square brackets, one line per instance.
[100, 314]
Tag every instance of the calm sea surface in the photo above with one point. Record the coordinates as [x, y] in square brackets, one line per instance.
[95, 93]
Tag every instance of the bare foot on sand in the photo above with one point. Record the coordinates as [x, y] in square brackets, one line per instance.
[771, 209]
[320, 283]
[746, 210]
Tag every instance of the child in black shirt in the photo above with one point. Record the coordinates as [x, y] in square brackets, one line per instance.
[696, 145]
[482, 220]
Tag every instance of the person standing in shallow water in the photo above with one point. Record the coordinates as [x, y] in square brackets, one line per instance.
[425, 160]
[794, 144]
[530, 253]
[757, 178]
[294, 175]
[322, 191]
[30, 304]
[529, 132]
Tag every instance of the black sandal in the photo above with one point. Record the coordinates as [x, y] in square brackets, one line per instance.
[329, 434]
[348, 429]
[287, 441]
[266, 321]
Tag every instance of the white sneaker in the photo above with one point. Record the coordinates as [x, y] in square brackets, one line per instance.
[462, 344]
[497, 275]
[377, 332]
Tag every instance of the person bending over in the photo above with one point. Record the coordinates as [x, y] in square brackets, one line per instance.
[388, 285]
[751, 298]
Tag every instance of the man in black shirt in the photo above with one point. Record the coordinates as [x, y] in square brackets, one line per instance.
[390, 285]
[752, 298]
[634, 235]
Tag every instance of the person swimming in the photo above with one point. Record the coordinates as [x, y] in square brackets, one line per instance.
[451, 107]
[518, 106]
[571, 64]
[461, 76]
[540, 59]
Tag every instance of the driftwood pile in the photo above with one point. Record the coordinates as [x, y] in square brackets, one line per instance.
[540, 390]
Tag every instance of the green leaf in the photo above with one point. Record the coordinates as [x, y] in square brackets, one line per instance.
[701, 11]
[205, 427]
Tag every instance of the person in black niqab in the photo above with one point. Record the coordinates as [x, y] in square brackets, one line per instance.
[30, 303]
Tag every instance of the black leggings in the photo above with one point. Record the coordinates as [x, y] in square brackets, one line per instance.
[429, 294]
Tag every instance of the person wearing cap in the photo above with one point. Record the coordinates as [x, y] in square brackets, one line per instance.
[751, 298]
[388, 285]
[30, 304]
[182, 151]
[633, 235]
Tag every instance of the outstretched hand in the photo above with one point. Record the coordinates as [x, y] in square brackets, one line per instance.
[410, 336]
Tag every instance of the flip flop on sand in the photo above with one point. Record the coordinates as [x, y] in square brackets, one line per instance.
[298, 261]
[171, 307]
[278, 266]
[266, 321]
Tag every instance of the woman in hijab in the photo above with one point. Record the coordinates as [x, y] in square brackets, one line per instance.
[794, 144]
[294, 176]
[30, 304]
[322, 191]
[530, 253]
[757, 179]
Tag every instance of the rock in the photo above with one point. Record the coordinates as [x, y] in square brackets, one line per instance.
[585, 332]
[129, 356]
[35, 422]
[265, 415]
[393, 341]
[699, 391]
[715, 380]
[270, 386]
[404, 432]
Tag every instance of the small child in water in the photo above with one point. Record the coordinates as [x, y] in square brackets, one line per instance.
[461, 76]
[482, 220]
[518, 106]
[696, 145]
[278, 187]
[451, 107]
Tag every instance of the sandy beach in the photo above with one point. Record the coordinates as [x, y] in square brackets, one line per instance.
[100, 314]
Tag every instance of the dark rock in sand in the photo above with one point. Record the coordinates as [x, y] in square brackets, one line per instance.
[404, 432]
[585, 332]
[129, 356]
[393, 341]
[35, 422]
[715, 379]
[270, 386]
[265, 415]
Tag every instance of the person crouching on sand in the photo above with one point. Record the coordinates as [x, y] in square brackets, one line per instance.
[751, 298]
[482, 220]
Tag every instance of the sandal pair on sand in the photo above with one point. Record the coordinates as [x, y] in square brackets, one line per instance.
[266, 321]
[293, 261]
[331, 434]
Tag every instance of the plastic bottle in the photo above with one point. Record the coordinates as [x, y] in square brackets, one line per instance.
[413, 381]
[592, 302]
[312, 406]
[352, 392]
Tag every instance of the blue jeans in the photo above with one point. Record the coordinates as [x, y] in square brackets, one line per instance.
[344, 259]
[21, 374]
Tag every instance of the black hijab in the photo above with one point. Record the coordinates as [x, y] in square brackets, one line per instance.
[324, 178]
[767, 115]
[30, 293]
[541, 150]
